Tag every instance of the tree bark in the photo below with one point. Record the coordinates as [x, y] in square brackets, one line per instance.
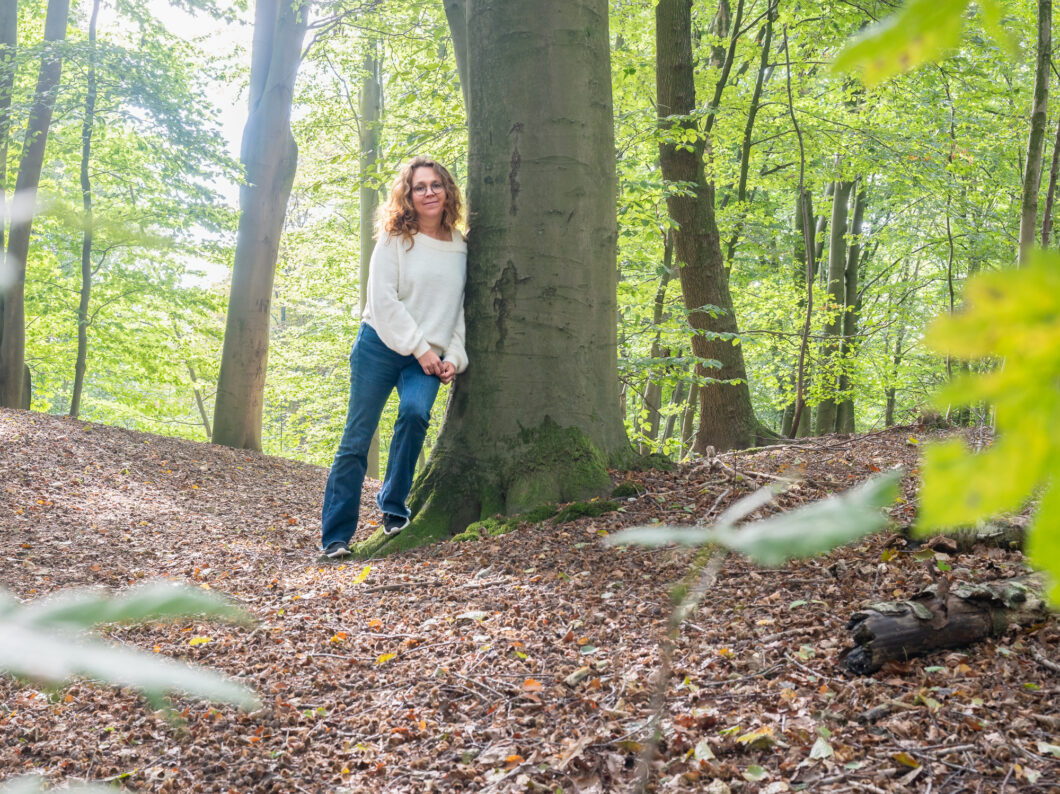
[86, 199]
[8, 49]
[727, 419]
[677, 401]
[535, 418]
[270, 156]
[199, 402]
[936, 619]
[852, 306]
[1050, 196]
[653, 391]
[456, 16]
[1039, 110]
[13, 324]
[799, 425]
[370, 111]
[833, 330]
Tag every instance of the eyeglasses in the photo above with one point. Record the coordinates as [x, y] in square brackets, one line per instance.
[434, 187]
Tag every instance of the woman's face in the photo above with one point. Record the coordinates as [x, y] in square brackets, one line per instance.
[428, 195]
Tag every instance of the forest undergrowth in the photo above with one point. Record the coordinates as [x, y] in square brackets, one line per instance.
[524, 662]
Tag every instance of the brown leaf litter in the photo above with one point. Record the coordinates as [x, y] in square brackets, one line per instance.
[520, 663]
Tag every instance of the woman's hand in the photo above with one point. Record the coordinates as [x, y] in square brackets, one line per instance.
[432, 365]
[448, 372]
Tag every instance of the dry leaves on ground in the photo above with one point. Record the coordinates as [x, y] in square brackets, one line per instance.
[521, 663]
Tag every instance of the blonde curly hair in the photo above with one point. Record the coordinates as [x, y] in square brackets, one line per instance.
[397, 215]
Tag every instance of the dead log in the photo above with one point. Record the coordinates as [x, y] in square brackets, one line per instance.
[960, 615]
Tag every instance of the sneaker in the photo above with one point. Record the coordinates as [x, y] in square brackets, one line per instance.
[393, 524]
[337, 550]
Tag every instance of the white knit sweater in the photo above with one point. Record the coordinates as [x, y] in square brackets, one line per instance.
[415, 296]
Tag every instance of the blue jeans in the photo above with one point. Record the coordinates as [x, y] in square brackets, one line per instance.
[375, 370]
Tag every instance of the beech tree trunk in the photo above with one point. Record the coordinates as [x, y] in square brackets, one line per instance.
[270, 157]
[535, 418]
[1032, 176]
[86, 239]
[934, 620]
[727, 419]
[13, 320]
[845, 417]
[371, 108]
[837, 260]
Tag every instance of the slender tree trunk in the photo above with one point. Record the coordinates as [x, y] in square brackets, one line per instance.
[1032, 174]
[535, 418]
[653, 391]
[86, 200]
[270, 157]
[371, 109]
[677, 401]
[199, 402]
[799, 424]
[897, 356]
[727, 419]
[688, 421]
[764, 70]
[833, 330]
[13, 325]
[848, 348]
[1054, 172]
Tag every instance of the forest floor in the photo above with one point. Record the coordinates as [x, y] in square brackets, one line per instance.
[520, 663]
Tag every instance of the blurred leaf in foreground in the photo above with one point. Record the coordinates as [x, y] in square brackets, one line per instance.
[45, 641]
[812, 529]
[1012, 319]
[921, 31]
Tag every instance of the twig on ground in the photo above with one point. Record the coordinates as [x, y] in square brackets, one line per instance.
[1044, 661]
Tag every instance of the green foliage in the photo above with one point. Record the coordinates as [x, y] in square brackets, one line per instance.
[1013, 320]
[812, 529]
[43, 641]
[922, 31]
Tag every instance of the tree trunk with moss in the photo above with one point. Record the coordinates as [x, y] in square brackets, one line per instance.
[535, 418]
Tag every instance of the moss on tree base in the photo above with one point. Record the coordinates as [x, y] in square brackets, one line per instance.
[540, 467]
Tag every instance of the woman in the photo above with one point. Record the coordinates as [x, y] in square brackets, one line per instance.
[411, 337]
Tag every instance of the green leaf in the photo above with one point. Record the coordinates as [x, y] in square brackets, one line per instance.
[1014, 316]
[1043, 539]
[56, 657]
[821, 749]
[754, 773]
[817, 527]
[921, 31]
[808, 530]
[82, 609]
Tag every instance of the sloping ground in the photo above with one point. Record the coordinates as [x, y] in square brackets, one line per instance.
[450, 668]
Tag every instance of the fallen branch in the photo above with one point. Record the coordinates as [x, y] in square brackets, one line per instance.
[933, 620]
